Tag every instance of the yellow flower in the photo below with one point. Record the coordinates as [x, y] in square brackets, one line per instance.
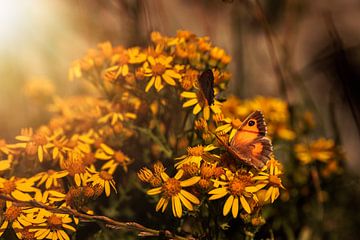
[238, 188]
[75, 167]
[160, 69]
[58, 146]
[5, 164]
[196, 155]
[115, 117]
[4, 149]
[113, 158]
[18, 188]
[53, 226]
[172, 189]
[14, 216]
[230, 125]
[199, 102]
[37, 143]
[104, 179]
[136, 56]
[50, 178]
[320, 149]
[270, 176]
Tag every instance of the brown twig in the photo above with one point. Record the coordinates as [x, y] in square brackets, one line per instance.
[111, 223]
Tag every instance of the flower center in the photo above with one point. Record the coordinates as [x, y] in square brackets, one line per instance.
[171, 187]
[119, 157]
[207, 171]
[123, 59]
[158, 69]
[54, 222]
[39, 139]
[74, 164]
[26, 234]
[195, 151]
[105, 176]
[238, 184]
[9, 186]
[12, 213]
[89, 159]
[236, 123]
[31, 148]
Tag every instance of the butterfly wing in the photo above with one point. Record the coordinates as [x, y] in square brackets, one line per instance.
[249, 143]
[206, 81]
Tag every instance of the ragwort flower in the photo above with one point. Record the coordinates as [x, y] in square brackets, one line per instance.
[172, 189]
[160, 69]
[239, 188]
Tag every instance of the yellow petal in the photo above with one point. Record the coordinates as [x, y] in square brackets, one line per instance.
[77, 180]
[228, 205]
[40, 154]
[164, 176]
[235, 207]
[172, 74]
[21, 196]
[206, 112]
[217, 191]
[150, 84]
[168, 80]
[196, 109]
[190, 102]
[190, 197]
[179, 174]
[178, 207]
[165, 205]
[188, 95]
[190, 181]
[151, 60]
[69, 227]
[107, 188]
[154, 191]
[158, 84]
[160, 204]
[106, 148]
[275, 194]
[4, 165]
[186, 203]
[268, 193]
[23, 138]
[245, 204]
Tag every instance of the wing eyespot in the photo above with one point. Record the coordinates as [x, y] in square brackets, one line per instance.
[251, 123]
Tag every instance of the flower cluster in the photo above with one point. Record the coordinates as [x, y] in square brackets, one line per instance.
[152, 111]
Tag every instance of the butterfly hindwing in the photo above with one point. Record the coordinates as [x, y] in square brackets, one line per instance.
[206, 81]
[249, 144]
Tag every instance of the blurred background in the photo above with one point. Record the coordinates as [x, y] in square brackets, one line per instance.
[314, 42]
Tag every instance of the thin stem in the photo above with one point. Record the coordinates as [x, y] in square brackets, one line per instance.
[164, 148]
[111, 223]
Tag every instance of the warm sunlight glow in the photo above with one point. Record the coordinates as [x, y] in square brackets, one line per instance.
[13, 18]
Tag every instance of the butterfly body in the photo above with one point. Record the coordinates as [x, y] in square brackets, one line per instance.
[250, 144]
[206, 82]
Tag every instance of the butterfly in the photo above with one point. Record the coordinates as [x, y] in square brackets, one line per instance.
[206, 81]
[250, 144]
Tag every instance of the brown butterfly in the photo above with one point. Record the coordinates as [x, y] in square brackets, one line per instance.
[249, 144]
[206, 81]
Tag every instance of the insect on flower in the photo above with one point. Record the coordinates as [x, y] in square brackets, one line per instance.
[249, 143]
